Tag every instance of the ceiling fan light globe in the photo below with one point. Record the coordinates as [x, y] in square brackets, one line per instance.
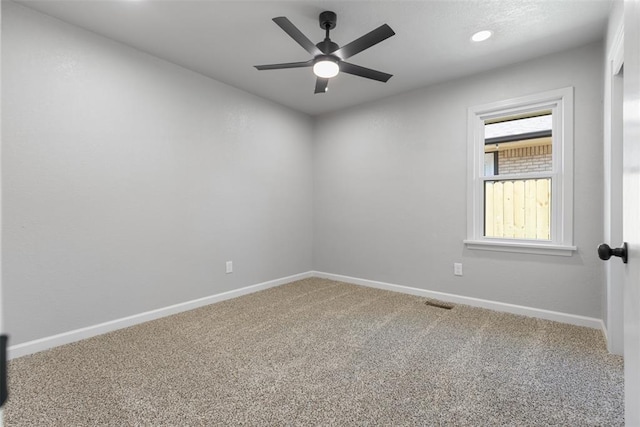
[326, 69]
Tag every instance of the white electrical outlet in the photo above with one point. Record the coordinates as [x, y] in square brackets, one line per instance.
[457, 269]
[229, 267]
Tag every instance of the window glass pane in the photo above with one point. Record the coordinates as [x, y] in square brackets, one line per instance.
[518, 125]
[519, 144]
[490, 163]
[518, 209]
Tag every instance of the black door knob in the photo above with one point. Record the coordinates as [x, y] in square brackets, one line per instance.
[605, 252]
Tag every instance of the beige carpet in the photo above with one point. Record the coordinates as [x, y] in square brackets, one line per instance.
[317, 352]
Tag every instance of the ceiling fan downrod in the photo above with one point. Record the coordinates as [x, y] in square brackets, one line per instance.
[328, 22]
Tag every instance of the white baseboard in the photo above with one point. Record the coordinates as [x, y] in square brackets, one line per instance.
[46, 343]
[572, 319]
[605, 333]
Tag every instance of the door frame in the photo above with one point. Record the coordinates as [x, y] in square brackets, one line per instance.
[613, 191]
[631, 211]
[1, 300]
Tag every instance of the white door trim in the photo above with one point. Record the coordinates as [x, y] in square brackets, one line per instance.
[613, 191]
[631, 211]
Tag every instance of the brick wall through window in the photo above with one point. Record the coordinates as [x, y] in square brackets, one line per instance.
[525, 159]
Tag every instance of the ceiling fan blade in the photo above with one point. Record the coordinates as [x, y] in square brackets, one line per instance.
[321, 85]
[297, 35]
[381, 33]
[285, 65]
[368, 73]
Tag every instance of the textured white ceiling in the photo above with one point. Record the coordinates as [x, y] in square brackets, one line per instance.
[224, 39]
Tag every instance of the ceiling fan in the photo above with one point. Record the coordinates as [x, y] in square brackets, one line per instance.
[329, 58]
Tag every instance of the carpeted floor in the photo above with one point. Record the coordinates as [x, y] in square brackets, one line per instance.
[317, 352]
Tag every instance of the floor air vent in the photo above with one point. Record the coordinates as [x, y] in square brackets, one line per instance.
[439, 304]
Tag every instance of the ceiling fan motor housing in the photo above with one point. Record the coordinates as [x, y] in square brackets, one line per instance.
[327, 46]
[328, 20]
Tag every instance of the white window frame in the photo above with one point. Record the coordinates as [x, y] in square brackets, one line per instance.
[560, 102]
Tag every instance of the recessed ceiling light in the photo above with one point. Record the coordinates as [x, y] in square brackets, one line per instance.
[481, 36]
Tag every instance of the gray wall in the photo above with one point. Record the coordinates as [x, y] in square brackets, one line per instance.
[390, 190]
[129, 181]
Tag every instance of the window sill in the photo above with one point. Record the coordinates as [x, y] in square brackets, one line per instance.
[521, 247]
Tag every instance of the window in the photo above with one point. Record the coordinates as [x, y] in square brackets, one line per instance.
[520, 189]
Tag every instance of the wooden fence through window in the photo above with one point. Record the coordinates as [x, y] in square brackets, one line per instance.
[519, 209]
